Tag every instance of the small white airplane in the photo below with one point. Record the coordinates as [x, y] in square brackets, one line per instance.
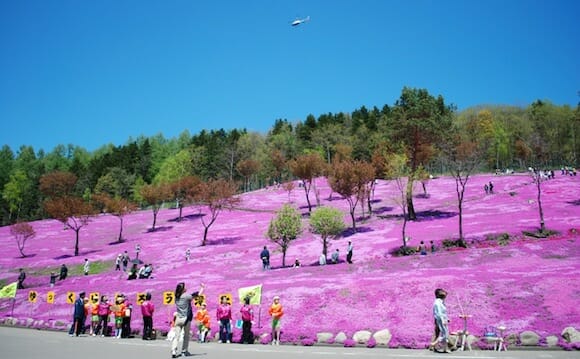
[300, 21]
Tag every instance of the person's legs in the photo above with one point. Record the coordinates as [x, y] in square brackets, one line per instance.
[79, 324]
[186, 334]
[228, 330]
[179, 327]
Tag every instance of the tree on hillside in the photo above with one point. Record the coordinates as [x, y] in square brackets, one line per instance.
[248, 168]
[351, 179]
[155, 196]
[307, 167]
[115, 206]
[73, 212]
[327, 222]
[397, 170]
[22, 232]
[63, 204]
[420, 122]
[462, 158]
[185, 191]
[284, 228]
[217, 195]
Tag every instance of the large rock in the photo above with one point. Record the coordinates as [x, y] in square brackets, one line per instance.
[29, 322]
[323, 337]
[340, 338]
[529, 338]
[362, 336]
[552, 341]
[571, 335]
[382, 337]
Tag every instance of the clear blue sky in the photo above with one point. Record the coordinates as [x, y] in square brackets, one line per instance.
[96, 72]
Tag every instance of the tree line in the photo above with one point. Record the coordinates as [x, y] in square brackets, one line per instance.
[419, 134]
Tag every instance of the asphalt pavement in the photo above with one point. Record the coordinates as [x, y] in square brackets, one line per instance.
[32, 344]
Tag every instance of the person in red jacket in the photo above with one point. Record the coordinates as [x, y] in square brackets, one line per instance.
[147, 309]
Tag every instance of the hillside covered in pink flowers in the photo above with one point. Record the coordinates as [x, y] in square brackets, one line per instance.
[524, 284]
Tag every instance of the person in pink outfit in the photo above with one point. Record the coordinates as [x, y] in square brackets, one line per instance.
[224, 317]
[147, 309]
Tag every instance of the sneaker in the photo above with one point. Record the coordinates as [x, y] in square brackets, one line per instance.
[273, 342]
[228, 342]
[277, 342]
[186, 354]
[174, 354]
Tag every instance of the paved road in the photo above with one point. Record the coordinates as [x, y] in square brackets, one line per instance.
[32, 344]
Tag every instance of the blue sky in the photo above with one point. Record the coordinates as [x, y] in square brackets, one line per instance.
[96, 72]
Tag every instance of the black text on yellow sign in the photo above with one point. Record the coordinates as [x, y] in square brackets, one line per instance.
[50, 297]
[32, 296]
[228, 297]
[140, 298]
[70, 297]
[199, 300]
[168, 298]
[94, 296]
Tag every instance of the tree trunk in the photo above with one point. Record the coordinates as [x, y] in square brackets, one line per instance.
[539, 186]
[306, 190]
[77, 241]
[352, 210]
[411, 215]
[404, 230]
[284, 257]
[324, 246]
[120, 239]
[154, 220]
[206, 228]
[180, 212]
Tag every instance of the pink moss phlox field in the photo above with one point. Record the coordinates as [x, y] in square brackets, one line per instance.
[525, 284]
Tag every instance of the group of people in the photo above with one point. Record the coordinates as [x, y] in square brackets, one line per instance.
[184, 316]
[422, 248]
[100, 311]
[140, 273]
[334, 257]
[63, 273]
[488, 188]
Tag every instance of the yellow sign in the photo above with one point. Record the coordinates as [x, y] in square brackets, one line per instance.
[32, 295]
[199, 300]
[117, 296]
[228, 296]
[168, 298]
[70, 297]
[50, 297]
[94, 297]
[140, 298]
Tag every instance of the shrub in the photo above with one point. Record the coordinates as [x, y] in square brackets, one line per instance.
[404, 251]
[349, 343]
[540, 234]
[308, 342]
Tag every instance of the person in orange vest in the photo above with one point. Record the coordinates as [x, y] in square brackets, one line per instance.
[119, 310]
[276, 311]
[94, 316]
[202, 319]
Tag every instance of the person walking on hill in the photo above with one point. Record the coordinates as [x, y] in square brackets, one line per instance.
[265, 256]
[21, 278]
[86, 266]
[63, 272]
[349, 249]
[276, 312]
[441, 321]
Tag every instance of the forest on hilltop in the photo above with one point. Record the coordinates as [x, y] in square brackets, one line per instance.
[418, 126]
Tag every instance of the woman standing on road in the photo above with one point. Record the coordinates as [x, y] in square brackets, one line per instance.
[184, 314]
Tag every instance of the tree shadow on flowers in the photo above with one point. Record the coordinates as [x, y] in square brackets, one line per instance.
[224, 240]
[574, 203]
[188, 217]
[349, 231]
[159, 229]
[423, 216]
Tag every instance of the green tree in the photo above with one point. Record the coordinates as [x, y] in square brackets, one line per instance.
[327, 222]
[284, 228]
[420, 122]
[15, 191]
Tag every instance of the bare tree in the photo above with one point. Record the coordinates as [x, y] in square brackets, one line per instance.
[22, 232]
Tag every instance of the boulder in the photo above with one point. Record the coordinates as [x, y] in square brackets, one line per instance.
[552, 341]
[529, 338]
[340, 338]
[323, 337]
[382, 337]
[29, 322]
[362, 336]
[571, 335]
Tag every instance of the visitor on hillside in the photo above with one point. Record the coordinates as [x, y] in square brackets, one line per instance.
[490, 187]
[118, 262]
[21, 278]
[133, 272]
[53, 277]
[247, 318]
[432, 246]
[265, 256]
[334, 257]
[187, 254]
[202, 321]
[147, 271]
[486, 188]
[125, 260]
[78, 316]
[224, 317]
[183, 317]
[322, 259]
[422, 248]
[147, 309]
[63, 272]
[349, 249]
[441, 322]
[276, 311]
[86, 266]
[104, 312]
[296, 263]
